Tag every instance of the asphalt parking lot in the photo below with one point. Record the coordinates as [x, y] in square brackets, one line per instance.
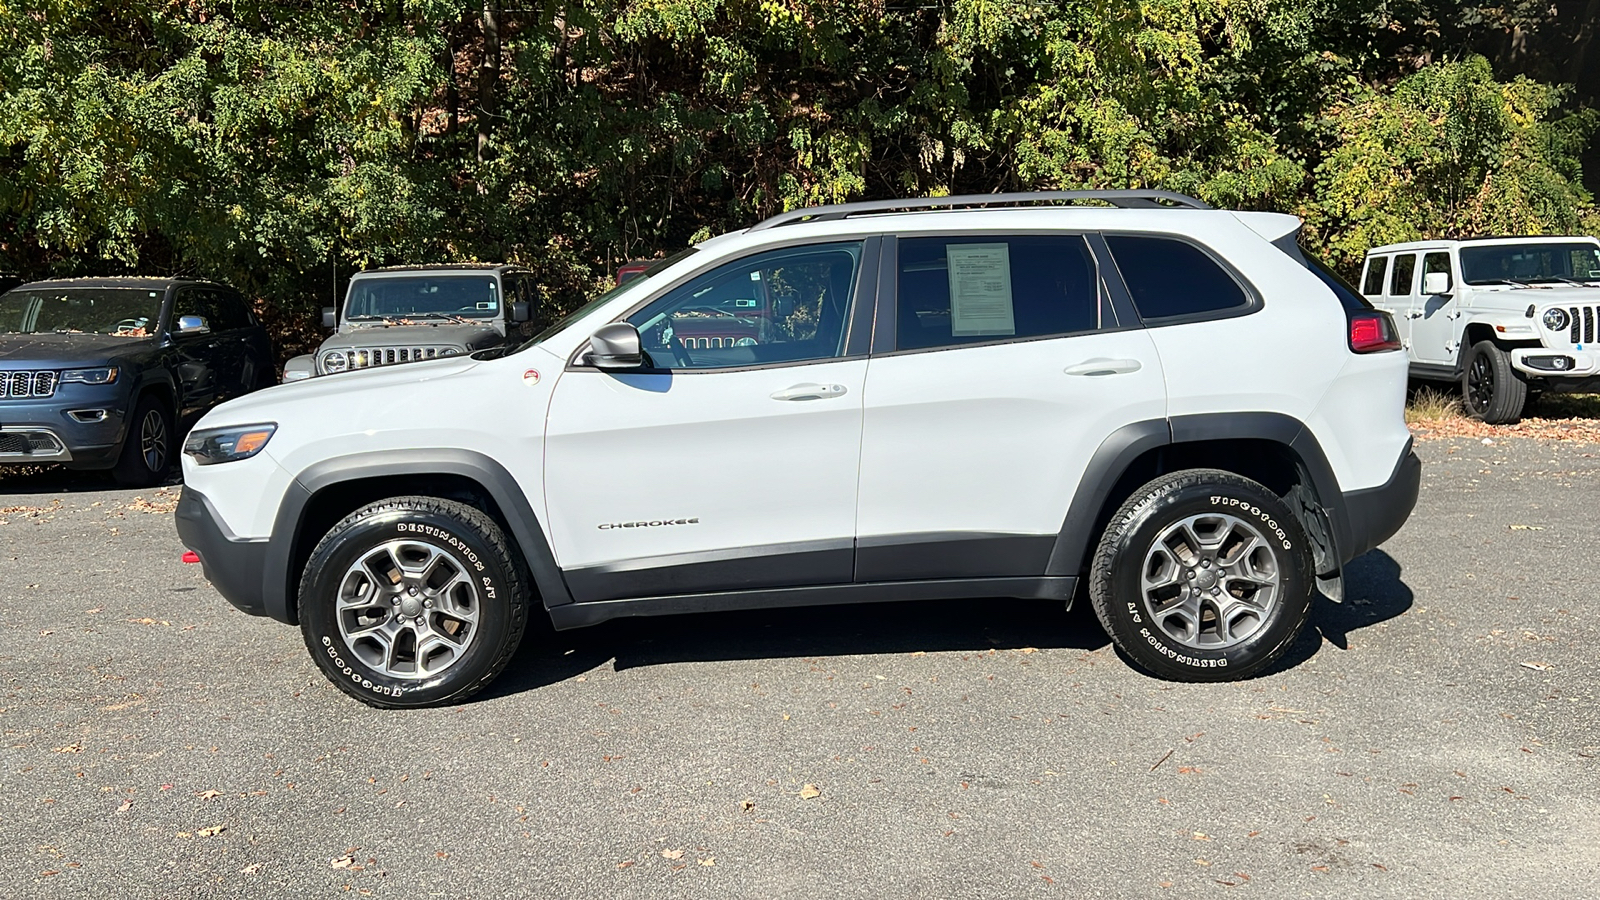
[1437, 735]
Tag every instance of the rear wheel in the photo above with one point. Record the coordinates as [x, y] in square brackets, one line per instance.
[1202, 576]
[1491, 390]
[413, 601]
[147, 447]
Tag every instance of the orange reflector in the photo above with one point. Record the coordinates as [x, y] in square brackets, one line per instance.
[191, 557]
[251, 441]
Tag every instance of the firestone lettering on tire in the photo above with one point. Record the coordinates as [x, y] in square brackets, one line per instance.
[356, 677]
[1246, 506]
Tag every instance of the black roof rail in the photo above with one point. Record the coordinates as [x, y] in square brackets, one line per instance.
[1123, 199]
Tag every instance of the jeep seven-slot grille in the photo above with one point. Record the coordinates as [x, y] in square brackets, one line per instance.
[27, 384]
[1584, 320]
[384, 356]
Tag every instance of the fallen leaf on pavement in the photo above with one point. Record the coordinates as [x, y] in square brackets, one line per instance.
[809, 792]
[212, 831]
[250, 869]
[1538, 666]
[672, 854]
[126, 805]
[747, 805]
[209, 795]
[708, 861]
[343, 862]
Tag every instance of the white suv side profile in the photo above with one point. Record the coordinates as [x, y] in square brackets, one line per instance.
[1505, 318]
[1165, 405]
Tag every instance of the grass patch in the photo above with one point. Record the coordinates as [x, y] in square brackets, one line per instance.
[1426, 404]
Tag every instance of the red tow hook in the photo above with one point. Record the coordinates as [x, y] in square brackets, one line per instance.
[191, 557]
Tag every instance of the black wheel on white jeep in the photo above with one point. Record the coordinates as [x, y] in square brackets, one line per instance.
[413, 601]
[1491, 389]
[1202, 576]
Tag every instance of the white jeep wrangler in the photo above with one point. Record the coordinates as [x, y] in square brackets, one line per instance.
[1502, 317]
[1165, 405]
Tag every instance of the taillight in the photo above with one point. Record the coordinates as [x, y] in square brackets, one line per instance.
[1372, 331]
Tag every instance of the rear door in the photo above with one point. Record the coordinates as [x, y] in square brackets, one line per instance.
[998, 367]
[1400, 298]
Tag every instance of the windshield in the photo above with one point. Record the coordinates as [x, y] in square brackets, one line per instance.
[432, 296]
[126, 312]
[1531, 263]
[655, 269]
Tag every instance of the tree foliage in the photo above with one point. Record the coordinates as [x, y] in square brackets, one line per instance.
[271, 142]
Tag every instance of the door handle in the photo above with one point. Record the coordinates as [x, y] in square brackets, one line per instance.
[1414, 314]
[810, 392]
[1102, 366]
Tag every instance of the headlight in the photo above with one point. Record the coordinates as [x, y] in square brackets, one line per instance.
[334, 362]
[107, 375]
[217, 445]
[1556, 319]
[448, 351]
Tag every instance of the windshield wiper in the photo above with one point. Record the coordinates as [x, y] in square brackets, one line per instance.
[387, 320]
[1574, 282]
[450, 316]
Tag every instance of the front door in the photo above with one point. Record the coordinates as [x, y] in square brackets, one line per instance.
[201, 383]
[731, 462]
[1004, 371]
[1433, 332]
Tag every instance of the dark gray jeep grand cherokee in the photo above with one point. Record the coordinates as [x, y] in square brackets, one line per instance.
[106, 373]
[410, 313]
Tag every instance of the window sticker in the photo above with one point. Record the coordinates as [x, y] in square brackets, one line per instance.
[980, 290]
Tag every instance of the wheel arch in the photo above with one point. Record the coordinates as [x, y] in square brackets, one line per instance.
[333, 488]
[1273, 449]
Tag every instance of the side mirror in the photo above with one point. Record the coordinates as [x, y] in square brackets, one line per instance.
[520, 311]
[615, 346]
[330, 317]
[193, 325]
[1436, 283]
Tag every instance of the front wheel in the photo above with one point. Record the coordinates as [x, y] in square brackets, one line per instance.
[413, 601]
[1202, 576]
[147, 447]
[1491, 390]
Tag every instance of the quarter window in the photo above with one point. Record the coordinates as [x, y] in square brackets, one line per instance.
[1377, 269]
[954, 291]
[1169, 278]
[786, 305]
[1405, 268]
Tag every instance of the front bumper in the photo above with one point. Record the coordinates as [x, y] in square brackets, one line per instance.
[1372, 516]
[233, 565]
[75, 427]
[1541, 361]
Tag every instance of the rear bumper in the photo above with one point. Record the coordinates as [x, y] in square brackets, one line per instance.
[233, 565]
[1372, 516]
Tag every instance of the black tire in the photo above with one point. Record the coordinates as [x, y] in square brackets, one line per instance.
[147, 447]
[471, 544]
[1491, 390]
[1116, 577]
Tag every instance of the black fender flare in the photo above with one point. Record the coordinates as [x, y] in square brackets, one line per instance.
[1122, 447]
[280, 584]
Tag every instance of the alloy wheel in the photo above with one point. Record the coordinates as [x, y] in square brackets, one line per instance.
[1211, 581]
[407, 609]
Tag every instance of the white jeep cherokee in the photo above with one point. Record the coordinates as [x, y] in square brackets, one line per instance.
[1165, 404]
[1503, 317]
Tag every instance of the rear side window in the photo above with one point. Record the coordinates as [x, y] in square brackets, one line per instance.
[1377, 269]
[966, 290]
[229, 310]
[1404, 268]
[1169, 278]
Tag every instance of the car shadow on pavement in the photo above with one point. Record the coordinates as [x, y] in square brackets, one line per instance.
[844, 630]
[61, 480]
[1373, 593]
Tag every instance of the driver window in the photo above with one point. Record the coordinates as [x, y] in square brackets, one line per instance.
[781, 306]
[191, 302]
